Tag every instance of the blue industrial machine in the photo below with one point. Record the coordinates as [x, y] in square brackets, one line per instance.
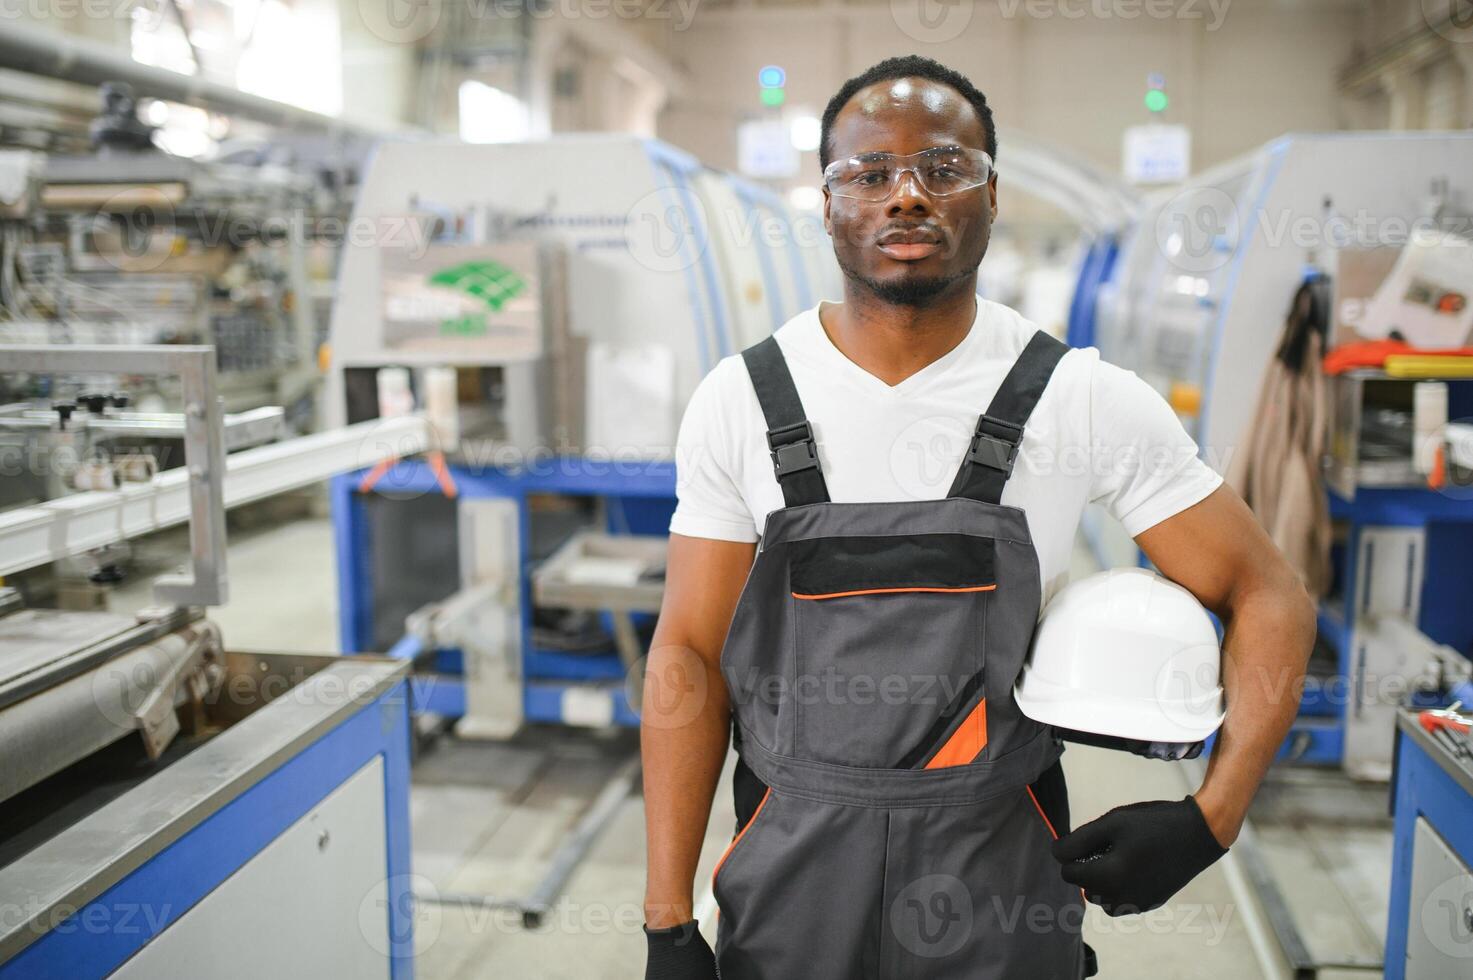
[282, 813]
[166, 801]
[589, 687]
[1429, 930]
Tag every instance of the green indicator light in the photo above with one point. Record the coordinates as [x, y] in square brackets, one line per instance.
[1156, 100]
[773, 96]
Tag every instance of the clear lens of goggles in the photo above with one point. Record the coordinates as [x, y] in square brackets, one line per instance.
[874, 176]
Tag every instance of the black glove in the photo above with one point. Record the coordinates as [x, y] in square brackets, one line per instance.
[1136, 857]
[679, 953]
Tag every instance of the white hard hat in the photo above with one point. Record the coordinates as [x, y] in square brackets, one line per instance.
[1125, 654]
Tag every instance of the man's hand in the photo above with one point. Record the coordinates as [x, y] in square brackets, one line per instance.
[1134, 858]
[679, 953]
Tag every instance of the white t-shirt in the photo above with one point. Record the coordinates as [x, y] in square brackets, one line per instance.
[1099, 434]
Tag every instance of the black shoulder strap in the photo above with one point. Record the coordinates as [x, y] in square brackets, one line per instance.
[794, 453]
[989, 460]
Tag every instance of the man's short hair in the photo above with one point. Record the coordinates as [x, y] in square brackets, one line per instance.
[908, 66]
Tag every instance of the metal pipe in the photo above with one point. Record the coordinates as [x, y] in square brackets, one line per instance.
[55, 55]
[575, 848]
[535, 906]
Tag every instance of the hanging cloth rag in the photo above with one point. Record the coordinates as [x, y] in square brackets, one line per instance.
[1276, 469]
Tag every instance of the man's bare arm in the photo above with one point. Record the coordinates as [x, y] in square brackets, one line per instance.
[1218, 552]
[686, 718]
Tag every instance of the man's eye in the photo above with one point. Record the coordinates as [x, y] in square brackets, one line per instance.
[945, 173]
[871, 177]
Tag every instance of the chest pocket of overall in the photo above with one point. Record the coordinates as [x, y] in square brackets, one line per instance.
[890, 648]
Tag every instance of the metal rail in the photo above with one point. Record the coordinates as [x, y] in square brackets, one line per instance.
[204, 444]
[31, 536]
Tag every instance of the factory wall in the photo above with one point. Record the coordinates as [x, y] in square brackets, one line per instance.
[1238, 72]
[1067, 72]
[1413, 67]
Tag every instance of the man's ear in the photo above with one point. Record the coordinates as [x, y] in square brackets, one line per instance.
[992, 195]
[827, 200]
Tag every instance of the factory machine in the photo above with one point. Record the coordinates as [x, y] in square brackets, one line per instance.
[549, 306]
[127, 243]
[1195, 303]
[159, 786]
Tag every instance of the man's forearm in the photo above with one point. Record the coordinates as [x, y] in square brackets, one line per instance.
[684, 732]
[1270, 631]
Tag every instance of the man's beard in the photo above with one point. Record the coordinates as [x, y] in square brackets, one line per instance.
[910, 291]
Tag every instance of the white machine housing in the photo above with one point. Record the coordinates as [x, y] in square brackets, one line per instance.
[670, 265]
[1204, 281]
[1197, 299]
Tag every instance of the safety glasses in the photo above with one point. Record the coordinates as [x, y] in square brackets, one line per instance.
[940, 172]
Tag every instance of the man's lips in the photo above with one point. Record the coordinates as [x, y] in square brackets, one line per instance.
[909, 251]
[909, 245]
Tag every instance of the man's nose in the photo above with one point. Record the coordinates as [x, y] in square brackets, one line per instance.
[909, 195]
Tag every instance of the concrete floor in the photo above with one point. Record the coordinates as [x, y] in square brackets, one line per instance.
[283, 585]
[487, 815]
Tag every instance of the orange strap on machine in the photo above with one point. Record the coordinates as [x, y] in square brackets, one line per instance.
[371, 478]
[442, 475]
[438, 467]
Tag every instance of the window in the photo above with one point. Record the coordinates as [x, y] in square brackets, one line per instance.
[490, 115]
[286, 50]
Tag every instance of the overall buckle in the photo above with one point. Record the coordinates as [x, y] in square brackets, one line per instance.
[995, 444]
[789, 454]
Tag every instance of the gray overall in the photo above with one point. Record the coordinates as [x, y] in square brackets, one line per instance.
[894, 807]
